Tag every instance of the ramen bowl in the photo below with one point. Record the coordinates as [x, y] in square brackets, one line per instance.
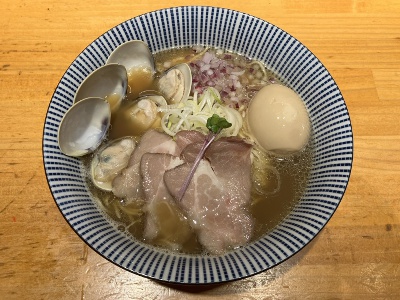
[255, 38]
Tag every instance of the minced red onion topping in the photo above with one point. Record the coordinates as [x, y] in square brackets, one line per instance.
[221, 72]
[236, 77]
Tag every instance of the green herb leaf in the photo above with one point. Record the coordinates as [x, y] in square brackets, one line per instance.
[215, 123]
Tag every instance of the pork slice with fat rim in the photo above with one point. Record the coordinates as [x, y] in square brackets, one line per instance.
[217, 197]
[128, 184]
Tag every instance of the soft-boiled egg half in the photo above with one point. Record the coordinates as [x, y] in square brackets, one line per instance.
[278, 119]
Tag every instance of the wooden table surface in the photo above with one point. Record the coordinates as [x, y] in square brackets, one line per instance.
[356, 256]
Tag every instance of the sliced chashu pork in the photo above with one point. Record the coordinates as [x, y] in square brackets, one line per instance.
[128, 185]
[165, 225]
[216, 199]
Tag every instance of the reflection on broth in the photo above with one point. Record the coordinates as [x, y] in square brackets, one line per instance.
[277, 182]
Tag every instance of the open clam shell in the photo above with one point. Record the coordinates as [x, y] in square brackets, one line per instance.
[132, 54]
[109, 82]
[84, 126]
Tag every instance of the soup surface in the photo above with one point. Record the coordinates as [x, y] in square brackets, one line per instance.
[278, 181]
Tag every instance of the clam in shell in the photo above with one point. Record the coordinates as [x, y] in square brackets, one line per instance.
[175, 83]
[132, 54]
[110, 160]
[84, 126]
[109, 82]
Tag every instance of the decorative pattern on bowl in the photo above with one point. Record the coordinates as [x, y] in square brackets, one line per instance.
[255, 38]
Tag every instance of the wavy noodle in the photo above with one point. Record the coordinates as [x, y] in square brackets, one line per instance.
[193, 113]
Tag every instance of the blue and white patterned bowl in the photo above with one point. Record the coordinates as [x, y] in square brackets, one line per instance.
[255, 38]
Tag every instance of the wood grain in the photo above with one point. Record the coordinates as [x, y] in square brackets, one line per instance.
[356, 256]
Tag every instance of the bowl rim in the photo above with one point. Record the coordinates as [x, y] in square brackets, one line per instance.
[179, 254]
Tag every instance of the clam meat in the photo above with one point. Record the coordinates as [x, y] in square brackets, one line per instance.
[134, 118]
[110, 160]
[175, 83]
